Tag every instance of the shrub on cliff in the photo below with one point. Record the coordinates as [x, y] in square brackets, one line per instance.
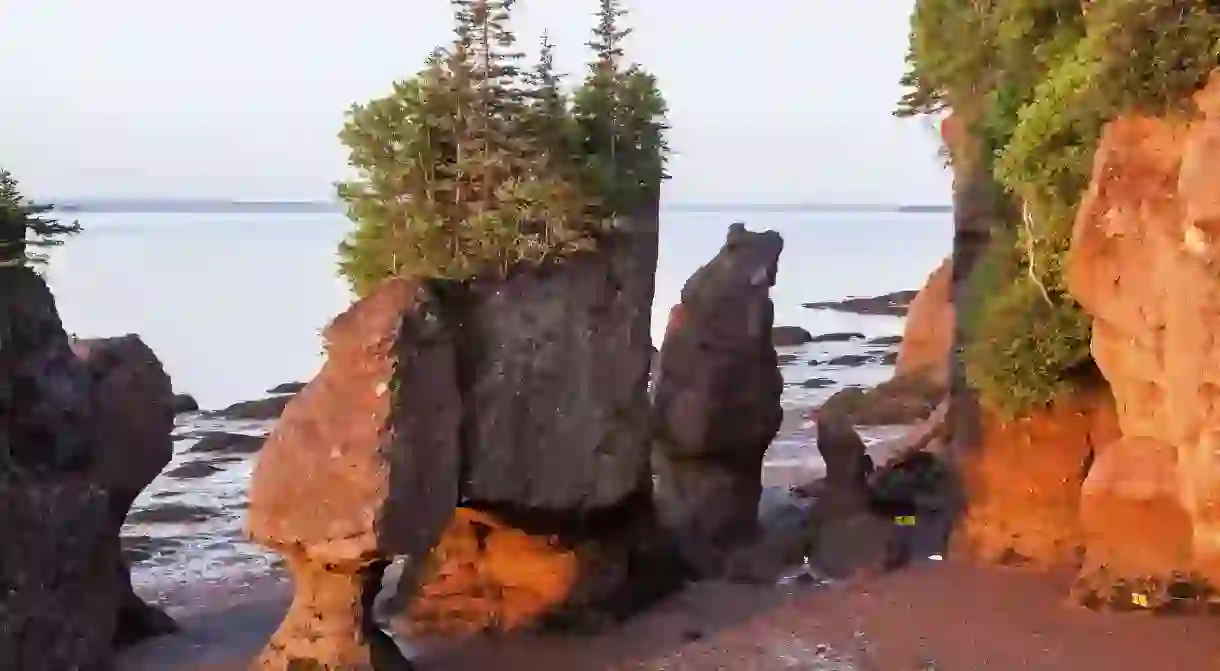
[473, 167]
[1038, 80]
[24, 229]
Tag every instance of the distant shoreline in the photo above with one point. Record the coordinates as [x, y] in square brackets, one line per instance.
[99, 206]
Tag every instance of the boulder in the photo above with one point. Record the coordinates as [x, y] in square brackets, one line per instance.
[927, 339]
[900, 400]
[184, 403]
[1144, 264]
[1023, 482]
[58, 557]
[790, 336]
[717, 399]
[555, 371]
[133, 409]
[362, 466]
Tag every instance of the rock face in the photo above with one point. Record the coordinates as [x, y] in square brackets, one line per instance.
[362, 466]
[133, 409]
[927, 340]
[555, 367]
[717, 399]
[1143, 263]
[1023, 483]
[975, 216]
[58, 555]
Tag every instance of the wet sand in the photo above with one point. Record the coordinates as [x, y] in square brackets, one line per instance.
[936, 615]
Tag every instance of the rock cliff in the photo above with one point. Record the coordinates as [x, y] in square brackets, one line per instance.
[1144, 263]
[59, 548]
[927, 338]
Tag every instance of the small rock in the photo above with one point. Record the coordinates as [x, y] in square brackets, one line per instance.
[263, 408]
[143, 548]
[192, 471]
[183, 403]
[837, 337]
[850, 360]
[818, 383]
[219, 441]
[790, 336]
[888, 359]
[171, 513]
[886, 340]
[786, 359]
[287, 388]
[894, 304]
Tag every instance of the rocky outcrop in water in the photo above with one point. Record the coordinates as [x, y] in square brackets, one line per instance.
[363, 466]
[58, 547]
[1145, 263]
[717, 400]
[133, 409]
[927, 339]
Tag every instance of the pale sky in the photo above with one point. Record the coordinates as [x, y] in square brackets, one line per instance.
[771, 100]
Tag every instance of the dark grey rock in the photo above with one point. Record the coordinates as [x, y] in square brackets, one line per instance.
[790, 336]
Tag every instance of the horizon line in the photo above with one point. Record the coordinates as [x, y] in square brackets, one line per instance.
[84, 204]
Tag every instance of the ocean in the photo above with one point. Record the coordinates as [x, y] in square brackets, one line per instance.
[233, 304]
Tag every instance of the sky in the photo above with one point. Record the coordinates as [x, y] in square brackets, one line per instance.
[772, 101]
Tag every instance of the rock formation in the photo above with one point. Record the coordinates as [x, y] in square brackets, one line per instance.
[927, 339]
[1144, 263]
[58, 556]
[133, 408]
[555, 365]
[717, 399]
[975, 216]
[362, 466]
[1023, 482]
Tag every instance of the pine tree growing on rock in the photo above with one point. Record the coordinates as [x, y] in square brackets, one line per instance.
[474, 168]
[23, 226]
[620, 114]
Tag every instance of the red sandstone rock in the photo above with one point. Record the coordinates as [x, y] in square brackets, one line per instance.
[927, 339]
[363, 465]
[486, 575]
[1143, 263]
[1023, 482]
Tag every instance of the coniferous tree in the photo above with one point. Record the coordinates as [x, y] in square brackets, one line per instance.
[620, 115]
[23, 226]
[475, 167]
[547, 118]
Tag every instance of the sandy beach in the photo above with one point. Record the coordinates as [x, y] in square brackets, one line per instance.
[936, 615]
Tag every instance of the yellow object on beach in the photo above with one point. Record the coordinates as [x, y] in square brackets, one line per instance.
[1140, 600]
[905, 520]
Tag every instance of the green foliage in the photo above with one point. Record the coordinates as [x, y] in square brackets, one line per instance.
[1039, 79]
[475, 167]
[24, 230]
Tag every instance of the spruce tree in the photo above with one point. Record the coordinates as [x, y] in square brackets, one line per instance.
[619, 113]
[23, 225]
[547, 118]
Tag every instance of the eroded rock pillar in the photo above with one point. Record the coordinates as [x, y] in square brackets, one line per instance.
[717, 400]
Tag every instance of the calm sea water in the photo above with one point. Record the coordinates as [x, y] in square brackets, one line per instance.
[233, 303]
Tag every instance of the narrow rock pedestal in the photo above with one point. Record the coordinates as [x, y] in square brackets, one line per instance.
[330, 623]
[362, 467]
